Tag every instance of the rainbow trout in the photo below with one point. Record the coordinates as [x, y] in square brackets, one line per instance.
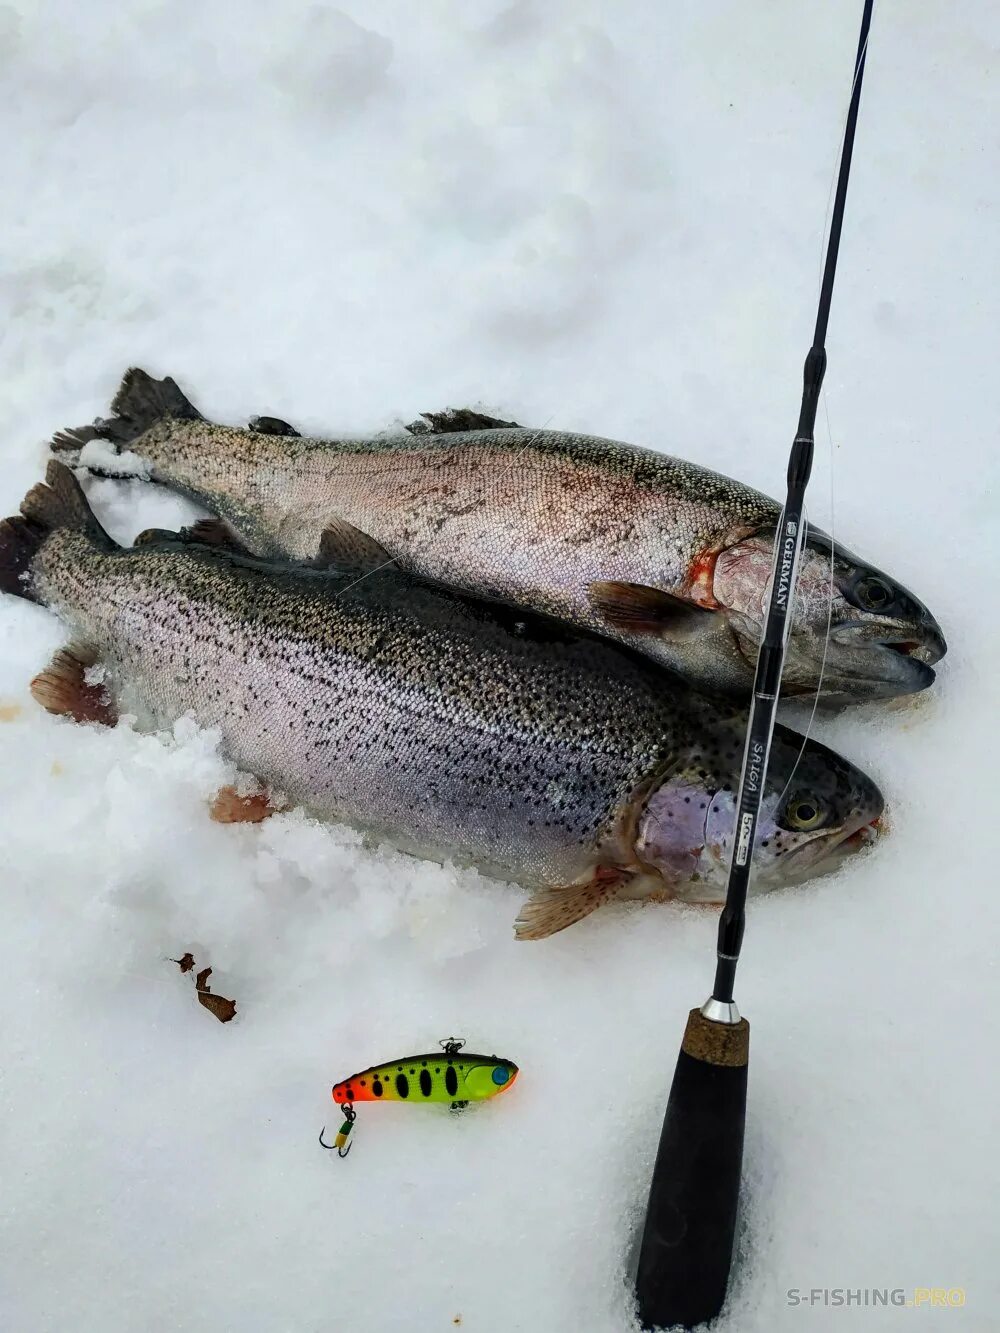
[662, 555]
[448, 726]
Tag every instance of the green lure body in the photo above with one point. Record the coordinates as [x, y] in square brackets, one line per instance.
[442, 1077]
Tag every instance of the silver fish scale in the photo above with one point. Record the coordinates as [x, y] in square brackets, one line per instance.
[455, 728]
[530, 516]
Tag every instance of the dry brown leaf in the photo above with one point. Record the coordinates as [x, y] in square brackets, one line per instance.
[223, 1009]
[218, 1005]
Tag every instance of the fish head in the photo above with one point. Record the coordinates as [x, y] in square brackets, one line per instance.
[870, 637]
[817, 809]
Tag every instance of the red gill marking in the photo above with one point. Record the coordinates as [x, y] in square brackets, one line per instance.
[701, 578]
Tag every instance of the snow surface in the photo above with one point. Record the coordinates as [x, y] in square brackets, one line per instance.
[603, 217]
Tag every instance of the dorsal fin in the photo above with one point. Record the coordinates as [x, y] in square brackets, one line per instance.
[454, 419]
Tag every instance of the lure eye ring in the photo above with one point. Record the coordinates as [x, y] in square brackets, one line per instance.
[804, 813]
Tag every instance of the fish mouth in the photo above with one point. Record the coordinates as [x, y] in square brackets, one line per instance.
[919, 640]
[879, 668]
[866, 836]
[859, 663]
[928, 647]
[820, 856]
[826, 854]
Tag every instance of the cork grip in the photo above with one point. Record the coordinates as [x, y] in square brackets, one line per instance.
[716, 1043]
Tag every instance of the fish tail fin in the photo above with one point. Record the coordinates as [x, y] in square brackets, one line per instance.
[140, 402]
[55, 503]
[20, 541]
[59, 502]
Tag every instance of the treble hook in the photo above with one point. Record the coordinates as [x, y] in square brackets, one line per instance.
[342, 1134]
[451, 1045]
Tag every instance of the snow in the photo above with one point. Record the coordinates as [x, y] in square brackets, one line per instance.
[105, 458]
[588, 215]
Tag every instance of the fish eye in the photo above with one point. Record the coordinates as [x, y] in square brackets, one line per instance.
[804, 813]
[874, 594]
[500, 1075]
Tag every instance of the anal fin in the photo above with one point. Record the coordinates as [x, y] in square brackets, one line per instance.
[206, 532]
[553, 909]
[62, 688]
[214, 532]
[350, 550]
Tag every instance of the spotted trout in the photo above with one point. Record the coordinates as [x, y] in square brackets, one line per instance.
[448, 726]
[664, 556]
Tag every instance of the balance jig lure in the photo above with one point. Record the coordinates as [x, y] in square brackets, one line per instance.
[444, 1077]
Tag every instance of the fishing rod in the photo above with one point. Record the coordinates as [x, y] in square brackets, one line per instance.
[687, 1241]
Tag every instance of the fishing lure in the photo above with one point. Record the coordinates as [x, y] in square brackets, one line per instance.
[444, 1077]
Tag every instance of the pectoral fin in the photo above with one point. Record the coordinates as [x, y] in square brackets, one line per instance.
[635, 608]
[62, 688]
[349, 549]
[554, 909]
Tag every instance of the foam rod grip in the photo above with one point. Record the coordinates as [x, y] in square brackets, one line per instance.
[687, 1242]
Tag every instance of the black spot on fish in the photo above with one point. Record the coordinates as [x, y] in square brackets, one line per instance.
[402, 1085]
[377, 1088]
[425, 1082]
[451, 1081]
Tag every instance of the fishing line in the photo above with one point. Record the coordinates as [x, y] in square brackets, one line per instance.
[829, 621]
[829, 436]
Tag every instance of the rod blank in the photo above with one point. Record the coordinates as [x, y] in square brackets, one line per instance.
[687, 1243]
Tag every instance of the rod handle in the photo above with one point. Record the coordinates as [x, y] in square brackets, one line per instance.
[687, 1241]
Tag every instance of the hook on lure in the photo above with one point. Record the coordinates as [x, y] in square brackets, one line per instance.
[342, 1135]
[441, 1077]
